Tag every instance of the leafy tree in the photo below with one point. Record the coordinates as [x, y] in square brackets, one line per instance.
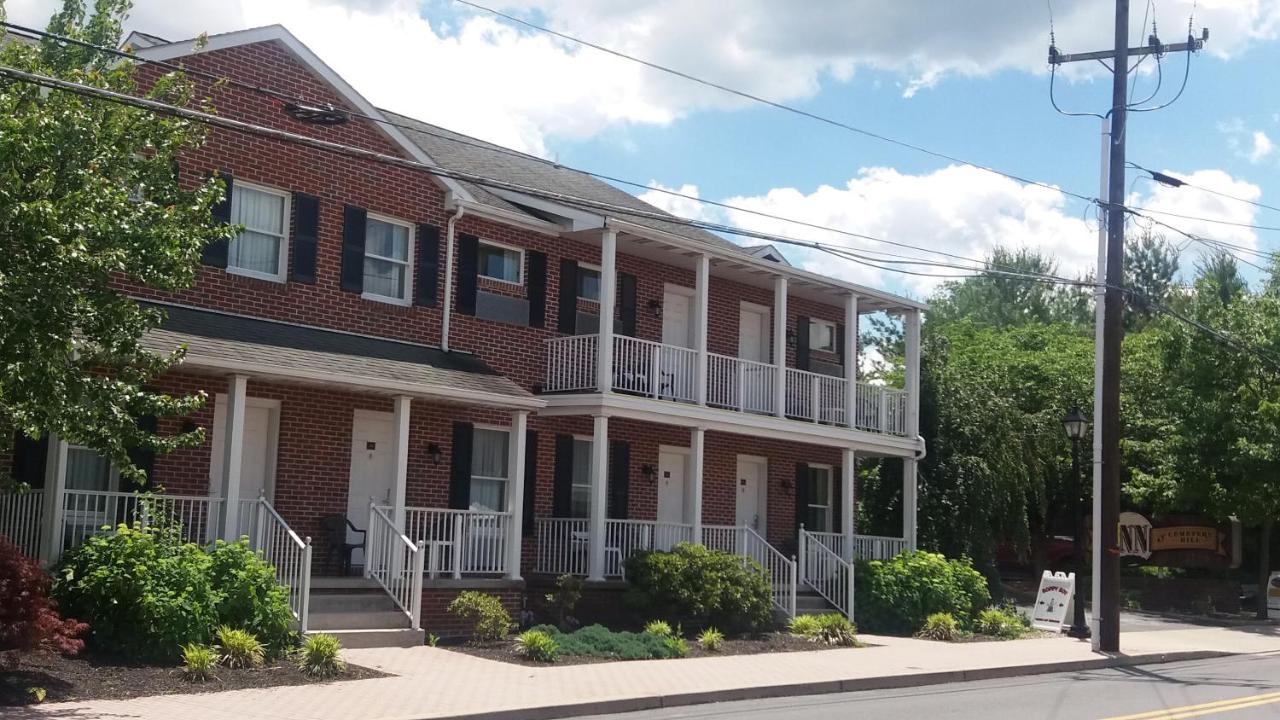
[89, 202]
[1150, 268]
[1003, 301]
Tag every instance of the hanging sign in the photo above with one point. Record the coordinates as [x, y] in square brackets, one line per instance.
[1053, 602]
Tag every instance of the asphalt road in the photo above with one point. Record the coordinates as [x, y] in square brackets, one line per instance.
[1238, 688]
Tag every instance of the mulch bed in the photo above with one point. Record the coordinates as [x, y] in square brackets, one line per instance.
[771, 643]
[89, 677]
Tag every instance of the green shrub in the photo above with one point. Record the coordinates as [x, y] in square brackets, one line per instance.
[537, 645]
[940, 626]
[198, 662]
[896, 596]
[489, 620]
[319, 656]
[599, 641]
[144, 593]
[694, 586]
[252, 599]
[660, 628]
[711, 640]
[826, 629]
[1002, 622]
[239, 648]
[676, 646]
[564, 598]
[806, 626]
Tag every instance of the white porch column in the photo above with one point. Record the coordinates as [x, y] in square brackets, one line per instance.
[909, 494]
[515, 491]
[400, 468]
[780, 345]
[697, 441]
[232, 455]
[608, 296]
[599, 498]
[55, 485]
[702, 292]
[848, 478]
[911, 332]
[851, 360]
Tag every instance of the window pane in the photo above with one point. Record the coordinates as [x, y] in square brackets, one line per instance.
[499, 263]
[86, 470]
[580, 499]
[816, 520]
[580, 505]
[257, 210]
[588, 283]
[489, 453]
[819, 488]
[255, 251]
[383, 277]
[488, 495]
[386, 240]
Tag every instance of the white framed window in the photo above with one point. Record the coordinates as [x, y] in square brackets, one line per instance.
[588, 282]
[388, 254]
[818, 517]
[261, 250]
[87, 470]
[822, 336]
[580, 493]
[490, 469]
[501, 262]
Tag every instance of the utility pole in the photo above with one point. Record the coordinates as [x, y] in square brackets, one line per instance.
[1106, 496]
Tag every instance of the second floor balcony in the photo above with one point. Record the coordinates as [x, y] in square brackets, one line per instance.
[661, 371]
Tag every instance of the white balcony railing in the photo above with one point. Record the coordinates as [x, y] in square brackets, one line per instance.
[22, 519]
[669, 372]
[460, 542]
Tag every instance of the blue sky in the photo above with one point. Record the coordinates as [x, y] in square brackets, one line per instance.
[966, 78]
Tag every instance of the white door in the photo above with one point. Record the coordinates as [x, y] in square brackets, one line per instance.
[752, 481]
[258, 454]
[676, 374]
[372, 469]
[753, 344]
[671, 495]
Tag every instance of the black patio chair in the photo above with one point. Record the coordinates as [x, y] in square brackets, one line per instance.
[335, 527]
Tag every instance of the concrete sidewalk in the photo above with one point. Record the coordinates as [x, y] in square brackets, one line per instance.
[435, 683]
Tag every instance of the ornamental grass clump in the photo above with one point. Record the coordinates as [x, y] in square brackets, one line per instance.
[661, 628]
[826, 629]
[711, 640]
[940, 626]
[239, 649]
[319, 656]
[198, 662]
[537, 645]
[1002, 622]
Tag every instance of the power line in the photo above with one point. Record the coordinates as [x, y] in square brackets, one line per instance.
[1166, 179]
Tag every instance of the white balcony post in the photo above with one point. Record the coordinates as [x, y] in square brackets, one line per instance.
[697, 441]
[911, 332]
[233, 454]
[851, 360]
[599, 499]
[780, 345]
[848, 478]
[55, 488]
[702, 291]
[515, 492]
[400, 445]
[608, 293]
[909, 502]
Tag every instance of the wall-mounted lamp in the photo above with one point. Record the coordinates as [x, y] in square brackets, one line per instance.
[655, 307]
[649, 472]
[433, 452]
[787, 485]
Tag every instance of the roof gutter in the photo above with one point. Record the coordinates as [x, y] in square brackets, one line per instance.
[448, 276]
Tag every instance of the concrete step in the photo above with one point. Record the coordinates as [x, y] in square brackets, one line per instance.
[343, 584]
[373, 638]
[355, 620]
[811, 602]
[326, 602]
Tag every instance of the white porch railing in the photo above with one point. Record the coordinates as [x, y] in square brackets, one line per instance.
[826, 572]
[816, 397]
[22, 519]
[737, 384]
[726, 538]
[624, 538]
[780, 568]
[270, 535]
[86, 513]
[396, 563]
[895, 414]
[571, 363]
[562, 546]
[460, 542]
[865, 547]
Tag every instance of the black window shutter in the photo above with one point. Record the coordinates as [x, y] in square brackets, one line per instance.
[837, 512]
[562, 489]
[353, 229]
[460, 467]
[619, 483]
[802, 343]
[802, 494]
[29, 457]
[537, 282]
[428, 265]
[215, 253]
[567, 321]
[468, 269]
[145, 458]
[306, 235]
[627, 304]
[840, 342]
[530, 480]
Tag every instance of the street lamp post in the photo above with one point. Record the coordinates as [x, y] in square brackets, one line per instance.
[1077, 426]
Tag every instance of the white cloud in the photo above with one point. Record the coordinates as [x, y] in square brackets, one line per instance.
[1194, 211]
[1262, 147]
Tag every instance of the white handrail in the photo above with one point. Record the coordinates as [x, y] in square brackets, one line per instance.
[22, 519]
[780, 568]
[826, 572]
[396, 562]
[279, 545]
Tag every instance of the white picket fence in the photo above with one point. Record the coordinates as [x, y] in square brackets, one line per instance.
[22, 519]
[279, 545]
[396, 563]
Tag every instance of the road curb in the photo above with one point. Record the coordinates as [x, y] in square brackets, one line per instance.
[888, 682]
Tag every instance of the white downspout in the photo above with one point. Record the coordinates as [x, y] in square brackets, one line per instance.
[448, 278]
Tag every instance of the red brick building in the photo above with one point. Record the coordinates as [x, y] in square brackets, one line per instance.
[379, 333]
